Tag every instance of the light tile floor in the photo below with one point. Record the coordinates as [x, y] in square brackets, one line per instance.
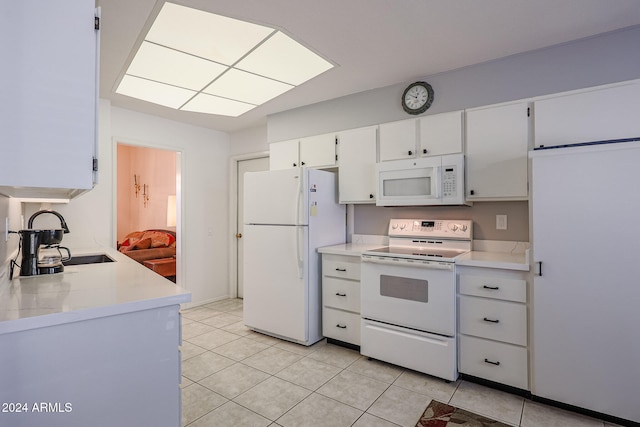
[233, 376]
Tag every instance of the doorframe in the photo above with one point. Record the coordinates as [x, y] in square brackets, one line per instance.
[233, 216]
[115, 140]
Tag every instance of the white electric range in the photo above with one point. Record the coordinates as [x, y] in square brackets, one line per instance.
[408, 295]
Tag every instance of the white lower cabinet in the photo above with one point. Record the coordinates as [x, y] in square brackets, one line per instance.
[492, 325]
[341, 297]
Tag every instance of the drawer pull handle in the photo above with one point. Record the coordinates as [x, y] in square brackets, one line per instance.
[341, 326]
[491, 362]
[493, 288]
[486, 319]
[341, 295]
[341, 269]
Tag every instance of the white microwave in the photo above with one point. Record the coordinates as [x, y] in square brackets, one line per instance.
[437, 180]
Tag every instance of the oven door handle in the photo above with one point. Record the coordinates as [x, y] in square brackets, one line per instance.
[408, 262]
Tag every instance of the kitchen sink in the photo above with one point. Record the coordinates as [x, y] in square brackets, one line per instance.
[88, 259]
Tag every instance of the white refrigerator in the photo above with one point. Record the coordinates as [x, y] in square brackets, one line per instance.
[288, 214]
[586, 298]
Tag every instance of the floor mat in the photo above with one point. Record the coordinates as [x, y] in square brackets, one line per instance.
[440, 414]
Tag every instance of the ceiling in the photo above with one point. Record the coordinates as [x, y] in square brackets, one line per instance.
[373, 43]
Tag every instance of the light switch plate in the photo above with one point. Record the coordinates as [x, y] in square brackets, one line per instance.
[501, 222]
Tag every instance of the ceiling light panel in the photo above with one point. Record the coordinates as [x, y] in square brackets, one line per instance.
[282, 58]
[198, 61]
[169, 66]
[247, 87]
[158, 93]
[203, 34]
[209, 104]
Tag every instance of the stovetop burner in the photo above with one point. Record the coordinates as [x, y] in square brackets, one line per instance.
[408, 252]
[434, 240]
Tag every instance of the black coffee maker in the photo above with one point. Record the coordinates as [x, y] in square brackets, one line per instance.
[41, 250]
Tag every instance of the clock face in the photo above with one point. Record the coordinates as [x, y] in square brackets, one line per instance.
[417, 98]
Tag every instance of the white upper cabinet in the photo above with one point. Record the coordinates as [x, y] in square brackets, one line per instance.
[441, 134]
[597, 114]
[398, 140]
[314, 152]
[357, 171]
[496, 152]
[283, 155]
[318, 151]
[48, 86]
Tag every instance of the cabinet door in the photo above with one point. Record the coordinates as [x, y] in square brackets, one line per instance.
[48, 84]
[283, 155]
[318, 151]
[398, 140]
[596, 115]
[357, 170]
[497, 144]
[440, 134]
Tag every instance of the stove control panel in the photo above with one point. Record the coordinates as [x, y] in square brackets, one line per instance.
[438, 228]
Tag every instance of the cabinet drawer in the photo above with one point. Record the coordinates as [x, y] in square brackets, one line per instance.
[499, 362]
[341, 325]
[503, 288]
[345, 267]
[496, 320]
[342, 294]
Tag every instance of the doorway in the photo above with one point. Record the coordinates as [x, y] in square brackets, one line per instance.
[252, 164]
[148, 207]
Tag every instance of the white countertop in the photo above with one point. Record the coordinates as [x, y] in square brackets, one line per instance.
[503, 260]
[487, 259]
[349, 249]
[85, 292]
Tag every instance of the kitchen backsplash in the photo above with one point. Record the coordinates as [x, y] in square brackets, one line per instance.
[374, 220]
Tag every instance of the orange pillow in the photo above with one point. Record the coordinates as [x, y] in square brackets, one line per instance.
[158, 239]
[140, 244]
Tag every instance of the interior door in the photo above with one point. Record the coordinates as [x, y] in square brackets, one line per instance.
[249, 165]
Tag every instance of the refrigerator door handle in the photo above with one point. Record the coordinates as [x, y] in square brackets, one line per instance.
[299, 236]
[538, 271]
[299, 199]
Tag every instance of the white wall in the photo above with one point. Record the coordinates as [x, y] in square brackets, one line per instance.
[252, 140]
[204, 177]
[205, 230]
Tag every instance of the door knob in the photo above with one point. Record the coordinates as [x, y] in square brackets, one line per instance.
[239, 235]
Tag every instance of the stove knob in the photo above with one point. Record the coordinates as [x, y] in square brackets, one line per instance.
[402, 226]
[453, 227]
[463, 227]
[394, 226]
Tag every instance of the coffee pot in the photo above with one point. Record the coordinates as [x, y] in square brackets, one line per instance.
[50, 259]
[41, 250]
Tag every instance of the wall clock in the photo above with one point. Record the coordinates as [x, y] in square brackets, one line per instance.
[417, 98]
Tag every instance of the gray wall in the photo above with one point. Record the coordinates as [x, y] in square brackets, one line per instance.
[370, 219]
[607, 58]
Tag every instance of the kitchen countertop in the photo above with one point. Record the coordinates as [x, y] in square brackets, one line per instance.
[486, 259]
[84, 292]
[349, 249]
[503, 260]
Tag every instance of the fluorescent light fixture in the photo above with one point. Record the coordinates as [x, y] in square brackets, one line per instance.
[203, 103]
[282, 58]
[246, 87]
[198, 61]
[185, 70]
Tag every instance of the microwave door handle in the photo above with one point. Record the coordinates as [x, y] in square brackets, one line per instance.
[437, 193]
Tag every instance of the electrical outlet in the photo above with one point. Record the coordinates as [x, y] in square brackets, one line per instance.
[501, 222]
